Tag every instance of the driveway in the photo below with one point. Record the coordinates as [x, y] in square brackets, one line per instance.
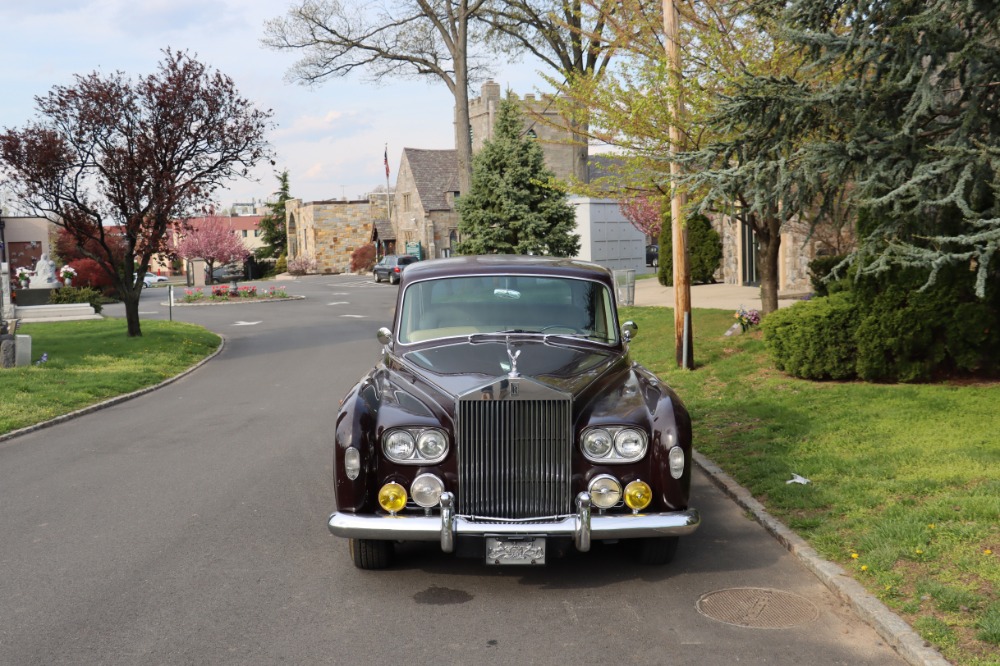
[189, 526]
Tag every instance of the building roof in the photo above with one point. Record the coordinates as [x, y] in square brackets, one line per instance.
[382, 229]
[238, 222]
[435, 173]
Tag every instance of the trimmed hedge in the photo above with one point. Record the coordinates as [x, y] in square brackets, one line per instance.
[890, 329]
[814, 339]
[704, 250]
[77, 295]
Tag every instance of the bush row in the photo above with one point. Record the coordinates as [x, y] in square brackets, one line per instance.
[890, 329]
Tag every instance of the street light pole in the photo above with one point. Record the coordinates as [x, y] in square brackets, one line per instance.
[683, 337]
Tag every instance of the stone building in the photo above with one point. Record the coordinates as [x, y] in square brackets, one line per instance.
[424, 214]
[328, 231]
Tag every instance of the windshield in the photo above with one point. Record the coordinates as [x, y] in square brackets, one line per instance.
[464, 306]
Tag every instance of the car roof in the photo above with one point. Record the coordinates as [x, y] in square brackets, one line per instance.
[501, 264]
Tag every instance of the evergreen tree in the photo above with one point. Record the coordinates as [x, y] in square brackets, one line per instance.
[274, 234]
[511, 208]
[911, 126]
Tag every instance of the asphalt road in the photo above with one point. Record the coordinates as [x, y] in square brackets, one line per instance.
[189, 526]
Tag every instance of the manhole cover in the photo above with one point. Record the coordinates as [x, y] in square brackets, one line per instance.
[757, 607]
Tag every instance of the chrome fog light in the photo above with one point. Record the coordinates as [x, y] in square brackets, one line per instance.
[426, 490]
[605, 491]
[597, 443]
[676, 460]
[352, 463]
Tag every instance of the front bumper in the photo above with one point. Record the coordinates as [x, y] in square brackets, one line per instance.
[581, 526]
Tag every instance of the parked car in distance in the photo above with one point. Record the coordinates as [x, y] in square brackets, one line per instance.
[390, 267]
[653, 255]
[505, 420]
[226, 273]
[151, 278]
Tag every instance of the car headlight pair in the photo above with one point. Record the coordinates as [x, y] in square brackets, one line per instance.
[614, 444]
[415, 446]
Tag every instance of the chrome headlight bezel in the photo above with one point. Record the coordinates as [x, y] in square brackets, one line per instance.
[416, 454]
[615, 434]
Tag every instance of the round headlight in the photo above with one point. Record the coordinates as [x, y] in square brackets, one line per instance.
[432, 445]
[605, 491]
[630, 444]
[399, 445]
[352, 463]
[638, 495]
[392, 497]
[676, 460]
[426, 490]
[597, 443]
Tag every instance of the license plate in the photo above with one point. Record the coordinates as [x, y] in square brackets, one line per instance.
[515, 551]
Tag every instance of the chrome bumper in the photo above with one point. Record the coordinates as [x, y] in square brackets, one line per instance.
[582, 526]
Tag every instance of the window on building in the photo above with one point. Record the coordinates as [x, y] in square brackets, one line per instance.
[244, 233]
[256, 233]
[406, 202]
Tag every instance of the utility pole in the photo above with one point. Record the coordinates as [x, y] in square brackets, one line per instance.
[683, 337]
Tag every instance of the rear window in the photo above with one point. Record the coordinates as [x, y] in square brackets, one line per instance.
[406, 260]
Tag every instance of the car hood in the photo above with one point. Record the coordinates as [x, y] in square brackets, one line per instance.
[456, 369]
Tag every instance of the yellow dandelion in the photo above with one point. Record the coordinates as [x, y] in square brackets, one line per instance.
[987, 552]
[932, 525]
[919, 552]
[864, 567]
[854, 556]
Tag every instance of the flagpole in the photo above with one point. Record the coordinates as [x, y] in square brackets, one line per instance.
[388, 210]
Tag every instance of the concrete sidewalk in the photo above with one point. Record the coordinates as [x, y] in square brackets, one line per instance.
[649, 292]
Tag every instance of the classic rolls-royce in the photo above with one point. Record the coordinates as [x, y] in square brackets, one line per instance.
[505, 420]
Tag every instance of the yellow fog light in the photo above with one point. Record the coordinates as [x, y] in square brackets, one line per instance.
[392, 497]
[638, 495]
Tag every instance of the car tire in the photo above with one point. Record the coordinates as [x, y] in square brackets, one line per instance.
[391, 281]
[657, 550]
[377, 278]
[656, 263]
[371, 553]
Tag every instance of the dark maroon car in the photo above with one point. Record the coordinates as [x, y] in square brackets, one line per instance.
[506, 421]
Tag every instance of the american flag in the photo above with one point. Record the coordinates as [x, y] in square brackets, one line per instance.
[386, 160]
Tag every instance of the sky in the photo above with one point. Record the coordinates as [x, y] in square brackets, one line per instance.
[330, 138]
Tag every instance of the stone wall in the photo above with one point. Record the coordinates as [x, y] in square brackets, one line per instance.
[329, 231]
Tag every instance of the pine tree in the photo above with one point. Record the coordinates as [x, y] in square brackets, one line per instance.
[511, 207]
[916, 135]
[274, 234]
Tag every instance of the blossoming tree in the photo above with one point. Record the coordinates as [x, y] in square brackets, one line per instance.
[212, 239]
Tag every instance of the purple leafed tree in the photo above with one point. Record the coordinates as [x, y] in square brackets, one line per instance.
[109, 155]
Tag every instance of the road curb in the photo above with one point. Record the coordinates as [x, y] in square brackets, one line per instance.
[892, 628]
[115, 400]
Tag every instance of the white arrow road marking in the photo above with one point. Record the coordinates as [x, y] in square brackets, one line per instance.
[246, 323]
[339, 303]
[354, 316]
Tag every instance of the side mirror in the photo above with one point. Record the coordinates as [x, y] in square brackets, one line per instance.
[384, 336]
[629, 329]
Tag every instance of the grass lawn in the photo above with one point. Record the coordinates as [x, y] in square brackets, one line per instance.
[90, 361]
[905, 479]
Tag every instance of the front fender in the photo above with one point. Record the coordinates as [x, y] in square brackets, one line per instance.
[356, 426]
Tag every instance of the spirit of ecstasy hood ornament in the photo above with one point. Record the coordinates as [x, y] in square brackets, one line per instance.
[513, 360]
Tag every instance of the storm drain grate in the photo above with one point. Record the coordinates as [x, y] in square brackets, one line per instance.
[758, 608]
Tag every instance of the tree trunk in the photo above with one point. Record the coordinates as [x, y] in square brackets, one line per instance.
[581, 150]
[463, 139]
[768, 243]
[131, 299]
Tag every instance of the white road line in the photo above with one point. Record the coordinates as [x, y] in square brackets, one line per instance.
[354, 316]
[246, 323]
[339, 303]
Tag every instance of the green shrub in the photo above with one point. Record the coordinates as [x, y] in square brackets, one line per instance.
[281, 265]
[913, 334]
[814, 339]
[704, 250]
[77, 295]
[819, 270]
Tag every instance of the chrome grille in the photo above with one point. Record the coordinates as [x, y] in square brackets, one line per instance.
[514, 458]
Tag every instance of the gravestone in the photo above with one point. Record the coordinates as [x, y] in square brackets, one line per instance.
[45, 274]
